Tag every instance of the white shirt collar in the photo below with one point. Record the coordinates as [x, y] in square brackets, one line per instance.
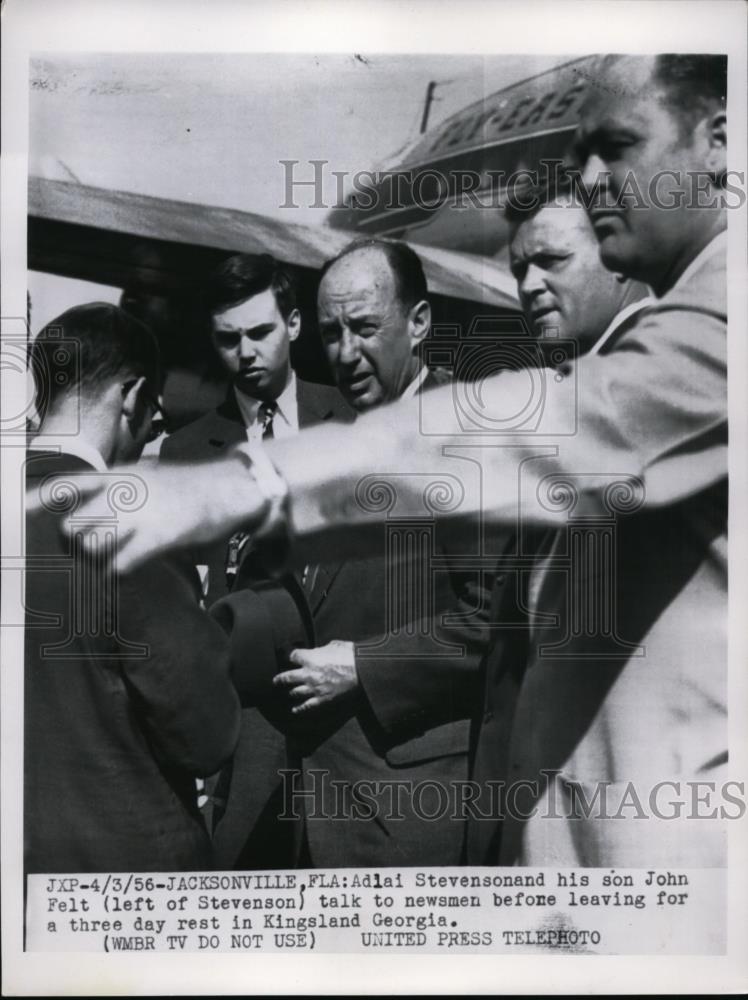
[416, 384]
[72, 445]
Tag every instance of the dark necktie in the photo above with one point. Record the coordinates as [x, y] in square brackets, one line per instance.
[238, 541]
[265, 416]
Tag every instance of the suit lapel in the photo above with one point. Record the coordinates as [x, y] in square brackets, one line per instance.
[227, 427]
[318, 403]
[324, 575]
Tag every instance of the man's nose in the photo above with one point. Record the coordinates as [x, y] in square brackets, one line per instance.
[594, 174]
[247, 348]
[350, 350]
[533, 282]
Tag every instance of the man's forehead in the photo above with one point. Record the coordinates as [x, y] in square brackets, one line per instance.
[621, 89]
[361, 276]
[553, 228]
[256, 309]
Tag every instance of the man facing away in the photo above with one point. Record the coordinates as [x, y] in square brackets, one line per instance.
[128, 697]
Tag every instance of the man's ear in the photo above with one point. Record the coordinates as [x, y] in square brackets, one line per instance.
[716, 159]
[293, 324]
[133, 402]
[419, 322]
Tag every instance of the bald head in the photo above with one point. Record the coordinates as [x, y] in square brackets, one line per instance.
[369, 328]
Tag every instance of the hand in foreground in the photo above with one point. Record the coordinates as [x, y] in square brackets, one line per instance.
[325, 675]
[160, 507]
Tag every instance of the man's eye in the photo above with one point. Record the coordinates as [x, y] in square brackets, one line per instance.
[547, 261]
[611, 148]
[227, 339]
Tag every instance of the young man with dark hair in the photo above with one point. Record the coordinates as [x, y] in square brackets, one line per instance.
[254, 320]
[243, 275]
[128, 697]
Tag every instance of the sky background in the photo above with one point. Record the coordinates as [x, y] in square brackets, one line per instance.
[213, 128]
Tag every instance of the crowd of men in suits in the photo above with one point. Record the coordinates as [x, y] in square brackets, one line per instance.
[293, 676]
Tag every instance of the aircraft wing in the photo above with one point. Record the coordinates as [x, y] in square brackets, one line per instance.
[120, 238]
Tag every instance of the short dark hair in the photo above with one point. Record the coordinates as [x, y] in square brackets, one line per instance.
[404, 262]
[693, 84]
[88, 345]
[243, 275]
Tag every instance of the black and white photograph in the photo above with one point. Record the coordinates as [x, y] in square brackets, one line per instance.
[368, 462]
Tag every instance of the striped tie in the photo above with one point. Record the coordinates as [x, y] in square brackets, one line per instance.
[265, 416]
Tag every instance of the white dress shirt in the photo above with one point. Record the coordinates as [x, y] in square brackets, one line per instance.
[285, 418]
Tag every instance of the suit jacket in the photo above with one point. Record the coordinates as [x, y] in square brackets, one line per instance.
[127, 700]
[614, 703]
[418, 685]
[247, 820]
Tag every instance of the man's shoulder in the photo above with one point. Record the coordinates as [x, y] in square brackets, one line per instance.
[194, 439]
[704, 291]
[692, 316]
[186, 439]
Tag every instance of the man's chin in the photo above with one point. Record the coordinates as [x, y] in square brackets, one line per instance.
[257, 388]
[362, 401]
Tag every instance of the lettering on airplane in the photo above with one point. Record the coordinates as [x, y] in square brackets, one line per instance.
[467, 161]
[519, 116]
